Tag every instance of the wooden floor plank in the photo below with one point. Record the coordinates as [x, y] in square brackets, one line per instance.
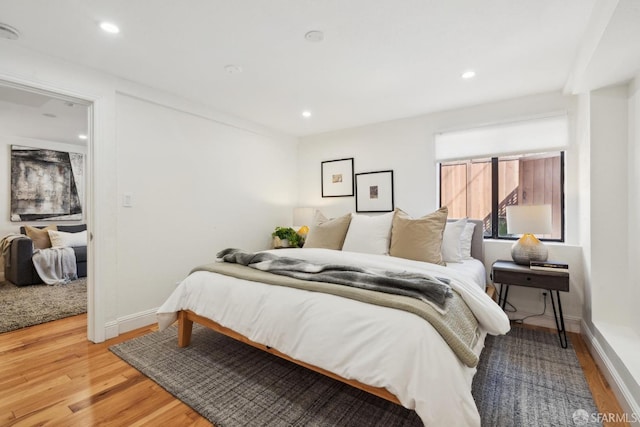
[31, 392]
[42, 417]
[602, 393]
[73, 393]
[50, 374]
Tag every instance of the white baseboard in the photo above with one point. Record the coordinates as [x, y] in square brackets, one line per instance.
[571, 323]
[627, 401]
[111, 329]
[137, 320]
[130, 322]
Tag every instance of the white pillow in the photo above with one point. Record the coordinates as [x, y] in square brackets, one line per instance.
[369, 234]
[451, 251]
[71, 240]
[465, 240]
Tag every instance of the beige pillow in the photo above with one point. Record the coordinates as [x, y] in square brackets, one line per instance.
[418, 239]
[40, 236]
[327, 233]
[61, 239]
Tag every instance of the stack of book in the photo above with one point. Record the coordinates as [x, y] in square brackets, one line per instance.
[550, 266]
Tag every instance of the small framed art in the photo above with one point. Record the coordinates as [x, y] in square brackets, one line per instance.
[374, 191]
[337, 178]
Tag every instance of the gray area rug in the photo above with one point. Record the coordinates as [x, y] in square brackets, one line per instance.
[526, 379]
[23, 306]
[523, 379]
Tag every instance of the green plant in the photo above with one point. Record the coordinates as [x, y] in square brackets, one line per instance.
[289, 234]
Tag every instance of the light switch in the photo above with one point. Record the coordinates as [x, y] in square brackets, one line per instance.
[127, 200]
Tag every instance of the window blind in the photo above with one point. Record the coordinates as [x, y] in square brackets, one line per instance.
[527, 136]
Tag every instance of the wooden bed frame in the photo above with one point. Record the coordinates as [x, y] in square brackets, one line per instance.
[185, 325]
[187, 317]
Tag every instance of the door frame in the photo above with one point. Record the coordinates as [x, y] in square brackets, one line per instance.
[96, 109]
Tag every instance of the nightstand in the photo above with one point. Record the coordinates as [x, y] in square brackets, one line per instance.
[508, 273]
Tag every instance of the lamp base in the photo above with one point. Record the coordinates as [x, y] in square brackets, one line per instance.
[528, 249]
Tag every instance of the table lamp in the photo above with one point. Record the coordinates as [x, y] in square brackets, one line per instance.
[529, 220]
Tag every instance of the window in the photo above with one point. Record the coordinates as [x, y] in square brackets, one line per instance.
[483, 188]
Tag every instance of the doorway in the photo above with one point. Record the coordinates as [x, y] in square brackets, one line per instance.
[37, 120]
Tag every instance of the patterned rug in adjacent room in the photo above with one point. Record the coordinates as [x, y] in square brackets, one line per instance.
[30, 305]
[524, 378]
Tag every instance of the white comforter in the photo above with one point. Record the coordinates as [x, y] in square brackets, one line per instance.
[378, 346]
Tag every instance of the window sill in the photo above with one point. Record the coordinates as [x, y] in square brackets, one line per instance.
[511, 242]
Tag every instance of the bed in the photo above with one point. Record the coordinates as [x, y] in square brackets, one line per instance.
[390, 353]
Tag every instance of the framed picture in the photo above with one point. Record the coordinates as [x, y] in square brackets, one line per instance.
[46, 185]
[374, 191]
[337, 178]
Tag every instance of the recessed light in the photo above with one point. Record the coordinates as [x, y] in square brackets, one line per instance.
[82, 136]
[233, 69]
[306, 114]
[468, 74]
[53, 116]
[314, 36]
[110, 27]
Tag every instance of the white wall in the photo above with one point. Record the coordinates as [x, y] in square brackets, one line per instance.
[583, 142]
[407, 147]
[198, 186]
[611, 320]
[609, 202]
[6, 141]
[634, 201]
[399, 145]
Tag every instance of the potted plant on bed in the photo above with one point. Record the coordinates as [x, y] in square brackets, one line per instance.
[285, 237]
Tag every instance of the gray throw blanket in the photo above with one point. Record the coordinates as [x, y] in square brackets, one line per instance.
[422, 287]
[55, 266]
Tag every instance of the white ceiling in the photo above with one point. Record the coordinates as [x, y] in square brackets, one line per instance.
[379, 60]
[616, 54]
[33, 115]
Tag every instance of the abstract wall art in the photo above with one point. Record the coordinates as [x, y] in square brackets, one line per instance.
[46, 185]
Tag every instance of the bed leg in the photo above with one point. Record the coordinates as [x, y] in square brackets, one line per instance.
[184, 329]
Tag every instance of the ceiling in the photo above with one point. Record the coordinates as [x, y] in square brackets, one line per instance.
[379, 60]
[615, 58]
[33, 115]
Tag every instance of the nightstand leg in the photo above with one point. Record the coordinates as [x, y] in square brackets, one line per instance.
[562, 333]
[502, 299]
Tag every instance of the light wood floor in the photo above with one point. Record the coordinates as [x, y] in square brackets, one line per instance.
[51, 375]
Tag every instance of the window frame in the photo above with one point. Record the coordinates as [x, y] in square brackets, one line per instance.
[495, 202]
